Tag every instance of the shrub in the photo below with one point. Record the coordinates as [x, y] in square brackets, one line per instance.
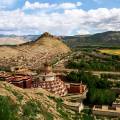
[8, 110]
[18, 95]
[2, 79]
[30, 109]
[7, 69]
[59, 101]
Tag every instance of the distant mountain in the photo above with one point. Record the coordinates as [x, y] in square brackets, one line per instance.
[2, 36]
[110, 38]
[34, 53]
[30, 37]
[15, 40]
[11, 40]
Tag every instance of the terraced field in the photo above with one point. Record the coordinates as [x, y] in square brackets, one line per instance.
[110, 51]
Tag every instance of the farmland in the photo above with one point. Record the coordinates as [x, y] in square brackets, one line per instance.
[110, 51]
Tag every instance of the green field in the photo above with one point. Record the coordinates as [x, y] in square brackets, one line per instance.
[110, 51]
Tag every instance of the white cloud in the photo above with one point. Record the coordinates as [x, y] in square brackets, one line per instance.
[38, 5]
[69, 5]
[7, 3]
[83, 32]
[72, 21]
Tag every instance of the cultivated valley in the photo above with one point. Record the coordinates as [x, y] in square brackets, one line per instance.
[45, 79]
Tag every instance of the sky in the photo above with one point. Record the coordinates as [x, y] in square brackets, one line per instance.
[59, 17]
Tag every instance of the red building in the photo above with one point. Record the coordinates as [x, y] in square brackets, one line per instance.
[22, 81]
[76, 88]
[19, 80]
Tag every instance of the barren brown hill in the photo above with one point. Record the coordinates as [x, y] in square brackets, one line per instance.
[33, 54]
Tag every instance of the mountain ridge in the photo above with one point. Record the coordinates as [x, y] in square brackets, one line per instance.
[102, 39]
[109, 38]
[33, 54]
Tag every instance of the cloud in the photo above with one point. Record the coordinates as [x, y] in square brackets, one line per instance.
[7, 3]
[83, 32]
[106, 1]
[69, 5]
[68, 22]
[38, 5]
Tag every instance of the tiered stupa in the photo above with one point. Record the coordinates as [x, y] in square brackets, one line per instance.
[48, 80]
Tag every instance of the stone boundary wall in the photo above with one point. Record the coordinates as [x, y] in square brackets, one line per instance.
[106, 113]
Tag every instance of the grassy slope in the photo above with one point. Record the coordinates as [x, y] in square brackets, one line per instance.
[30, 104]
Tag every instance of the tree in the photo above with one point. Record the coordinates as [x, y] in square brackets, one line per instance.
[100, 96]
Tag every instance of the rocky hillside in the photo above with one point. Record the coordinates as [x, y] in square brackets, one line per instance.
[110, 38]
[33, 54]
[30, 104]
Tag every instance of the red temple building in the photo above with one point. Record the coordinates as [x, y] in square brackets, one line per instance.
[22, 81]
[76, 88]
[46, 79]
[19, 80]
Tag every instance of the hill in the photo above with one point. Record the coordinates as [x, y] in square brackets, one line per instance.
[30, 104]
[110, 38]
[33, 54]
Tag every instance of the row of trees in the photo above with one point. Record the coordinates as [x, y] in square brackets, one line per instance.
[88, 79]
[115, 57]
[99, 88]
[94, 65]
[100, 96]
[111, 76]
